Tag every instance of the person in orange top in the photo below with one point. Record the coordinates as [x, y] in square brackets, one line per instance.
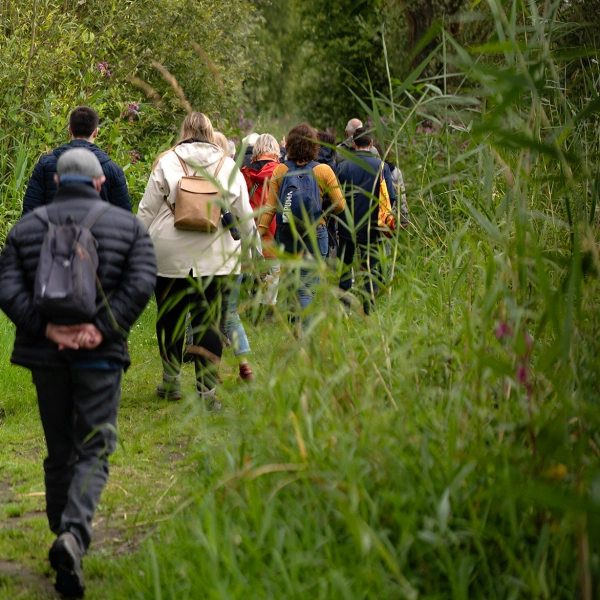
[309, 237]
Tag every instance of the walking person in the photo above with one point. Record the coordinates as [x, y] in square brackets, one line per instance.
[358, 231]
[258, 174]
[76, 366]
[347, 145]
[194, 267]
[296, 195]
[83, 129]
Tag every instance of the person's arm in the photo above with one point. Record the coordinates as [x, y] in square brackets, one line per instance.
[129, 298]
[116, 185]
[157, 189]
[240, 206]
[329, 185]
[34, 194]
[16, 296]
[272, 199]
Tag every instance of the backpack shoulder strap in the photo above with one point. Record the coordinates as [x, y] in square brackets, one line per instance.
[42, 214]
[98, 209]
[219, 167]
[183, 164]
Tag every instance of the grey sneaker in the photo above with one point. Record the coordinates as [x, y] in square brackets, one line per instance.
[65, 558]
[209, 398]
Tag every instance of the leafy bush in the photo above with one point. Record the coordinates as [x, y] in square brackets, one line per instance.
[140, 65]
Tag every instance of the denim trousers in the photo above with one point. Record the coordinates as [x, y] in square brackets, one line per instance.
[78, 408]
[234, 328]
[305, 247]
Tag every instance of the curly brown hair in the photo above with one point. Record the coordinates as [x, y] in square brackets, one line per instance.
[302, 145]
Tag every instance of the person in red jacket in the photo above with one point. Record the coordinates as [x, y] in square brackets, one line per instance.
[265, 158]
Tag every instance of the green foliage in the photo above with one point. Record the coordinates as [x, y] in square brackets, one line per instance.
[59, 54]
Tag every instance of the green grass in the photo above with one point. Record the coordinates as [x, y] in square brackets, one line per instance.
[380, 457]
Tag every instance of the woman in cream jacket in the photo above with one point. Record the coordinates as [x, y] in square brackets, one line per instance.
[194, 268]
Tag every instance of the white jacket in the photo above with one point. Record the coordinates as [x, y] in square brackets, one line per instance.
[177, 251]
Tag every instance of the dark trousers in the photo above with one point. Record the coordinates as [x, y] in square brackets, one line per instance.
[369, 262]
[74, 405]
[203, 298]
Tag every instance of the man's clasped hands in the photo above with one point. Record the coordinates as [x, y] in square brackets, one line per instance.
[74, 337]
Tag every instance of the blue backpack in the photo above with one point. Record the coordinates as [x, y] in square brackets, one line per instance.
[299, 197]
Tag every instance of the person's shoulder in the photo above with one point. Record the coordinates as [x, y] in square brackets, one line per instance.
[280, 169]
[50, 158]
[323, 169]
[27, 224]
[100, 154]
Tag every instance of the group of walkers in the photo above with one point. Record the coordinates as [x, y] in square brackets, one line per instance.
[199, 222]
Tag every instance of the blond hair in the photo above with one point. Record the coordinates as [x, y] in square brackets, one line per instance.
[197, 125]
[265, 144]
[221, 141]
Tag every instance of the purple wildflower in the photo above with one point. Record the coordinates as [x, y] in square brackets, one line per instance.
[523, 375]
[103, 68]
[131, 110]
[503, 330]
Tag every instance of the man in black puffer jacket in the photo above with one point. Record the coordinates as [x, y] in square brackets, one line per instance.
[77, 368]
[83, 129]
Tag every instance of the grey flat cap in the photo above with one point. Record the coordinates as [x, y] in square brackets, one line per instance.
[79, 161]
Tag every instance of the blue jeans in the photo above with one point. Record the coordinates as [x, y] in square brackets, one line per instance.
[234, 329]
[296, 245]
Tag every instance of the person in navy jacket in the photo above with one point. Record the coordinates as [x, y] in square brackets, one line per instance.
[357, 227]
[83, 129]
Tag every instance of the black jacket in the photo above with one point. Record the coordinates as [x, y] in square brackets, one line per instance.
[360, 181]
[126, 270]
[41, 187]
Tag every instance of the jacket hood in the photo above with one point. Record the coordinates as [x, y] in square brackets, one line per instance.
[100, 154]
[199, 154]
[326, 156]
[262, 174]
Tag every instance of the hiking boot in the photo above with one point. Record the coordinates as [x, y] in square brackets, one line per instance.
[246, 373]
[65, 558]
[209, 398]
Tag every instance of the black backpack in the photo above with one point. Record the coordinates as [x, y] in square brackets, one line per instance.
[66, 281]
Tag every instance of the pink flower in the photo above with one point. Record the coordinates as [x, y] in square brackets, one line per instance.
[523, 375]
[503, 330]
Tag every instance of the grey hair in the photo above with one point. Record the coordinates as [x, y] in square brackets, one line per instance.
[231, 147]
[353, 125]
[79, 161]
[265, 144]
